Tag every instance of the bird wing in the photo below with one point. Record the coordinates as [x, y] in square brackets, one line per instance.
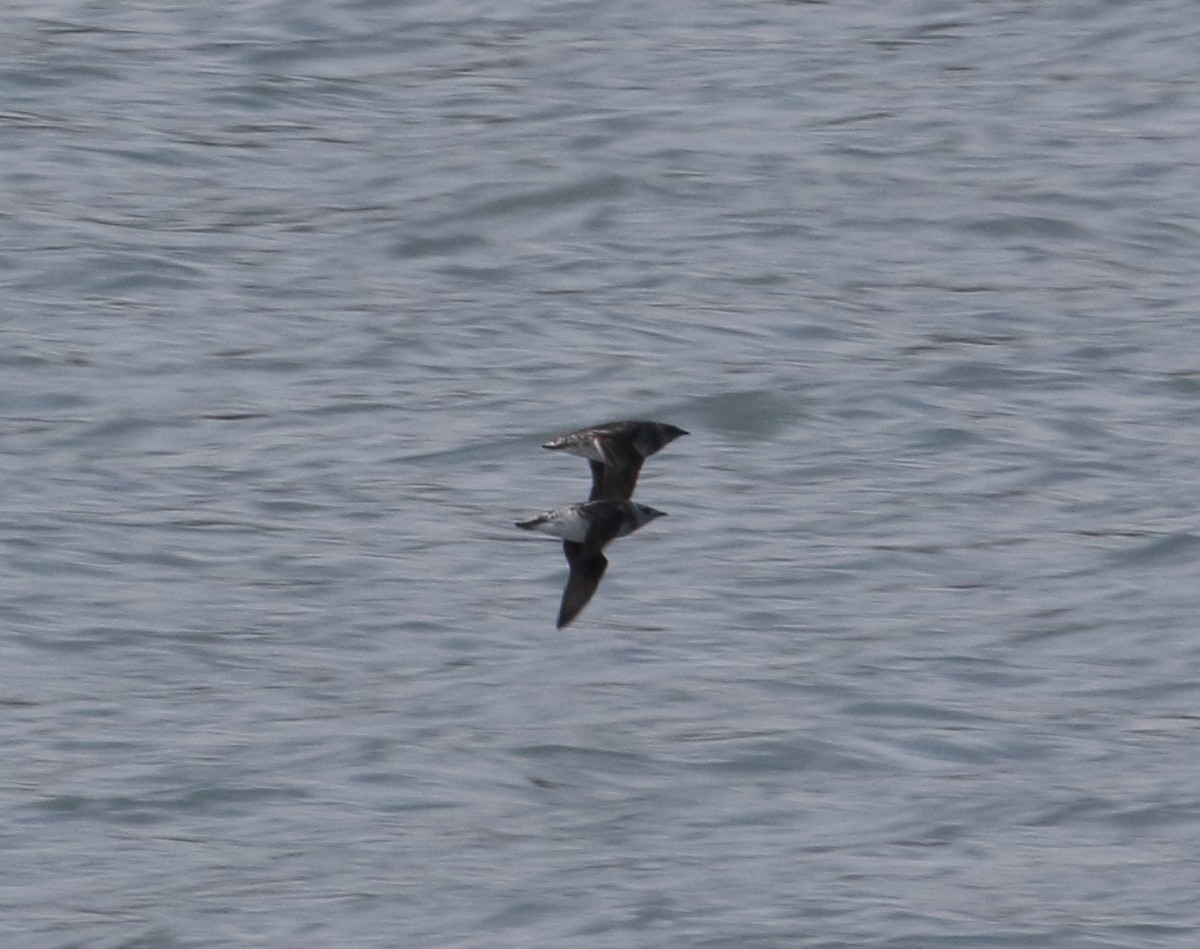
[598, 470]
[587, 567]
[615, 479]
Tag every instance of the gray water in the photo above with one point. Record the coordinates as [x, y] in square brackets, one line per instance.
[292, 291]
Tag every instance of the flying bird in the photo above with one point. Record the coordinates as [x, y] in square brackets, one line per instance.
[615, 451]
[585, 530]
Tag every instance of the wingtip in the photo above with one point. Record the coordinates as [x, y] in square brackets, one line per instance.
[568, 613]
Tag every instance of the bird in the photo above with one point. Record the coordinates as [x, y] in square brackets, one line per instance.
[585, 530]
[615, 451]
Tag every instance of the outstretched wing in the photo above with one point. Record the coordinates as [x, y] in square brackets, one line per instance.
[616, 479]
[587, 567]
[615, 452]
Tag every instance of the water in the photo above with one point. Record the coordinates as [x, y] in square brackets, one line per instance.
[292, 292]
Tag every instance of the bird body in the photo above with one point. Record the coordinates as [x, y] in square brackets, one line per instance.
[593, 522]
[586, 529]
[615, 452]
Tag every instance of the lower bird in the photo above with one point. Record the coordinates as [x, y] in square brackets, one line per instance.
[585, 530]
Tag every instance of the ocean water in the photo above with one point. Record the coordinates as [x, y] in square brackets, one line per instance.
[292, 291]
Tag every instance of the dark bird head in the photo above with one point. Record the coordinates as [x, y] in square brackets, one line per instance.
[644, 514]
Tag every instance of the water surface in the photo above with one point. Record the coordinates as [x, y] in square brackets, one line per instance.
[293, 292]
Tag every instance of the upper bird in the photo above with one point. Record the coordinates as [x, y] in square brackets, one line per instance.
[615, 452]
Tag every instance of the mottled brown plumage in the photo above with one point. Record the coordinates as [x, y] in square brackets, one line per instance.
[615, 452]
[586, 529]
